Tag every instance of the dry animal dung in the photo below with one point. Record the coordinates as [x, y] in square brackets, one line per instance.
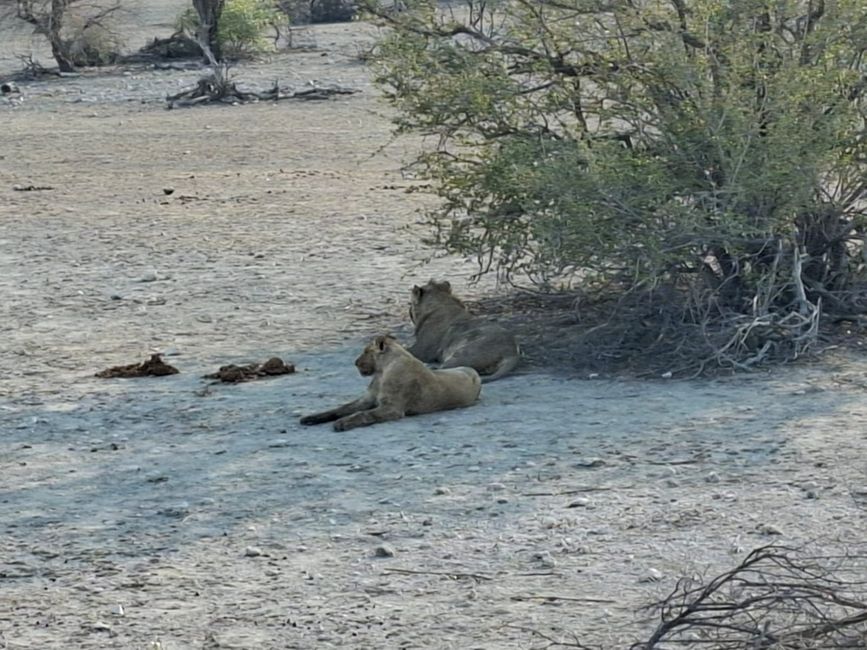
[233, 374]
[153, 367]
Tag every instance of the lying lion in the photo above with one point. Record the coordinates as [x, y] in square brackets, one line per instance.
[401, 385]
[447, 334]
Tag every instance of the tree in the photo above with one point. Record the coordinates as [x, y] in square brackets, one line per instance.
[48, 18]
[232, 28]
[714, 149]
[209, 12]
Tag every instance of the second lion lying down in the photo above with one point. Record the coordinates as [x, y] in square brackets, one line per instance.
[401, 385]
[448, 334]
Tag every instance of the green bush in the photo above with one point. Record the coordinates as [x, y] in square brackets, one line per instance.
[713, 147]
[242, 25]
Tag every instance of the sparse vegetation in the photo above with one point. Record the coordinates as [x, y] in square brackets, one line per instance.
[778, 598]
[79, 33]
[241, 26]
[701, 162]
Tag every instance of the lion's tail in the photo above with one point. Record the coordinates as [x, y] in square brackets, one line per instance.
[506, 365]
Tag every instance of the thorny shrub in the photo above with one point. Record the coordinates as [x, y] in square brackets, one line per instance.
[704, 161]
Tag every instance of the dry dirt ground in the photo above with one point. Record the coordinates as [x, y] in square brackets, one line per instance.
[168, 513]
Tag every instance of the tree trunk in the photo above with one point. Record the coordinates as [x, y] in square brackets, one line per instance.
[54, 27]
[209, 20]
[49, 22]
[58, 50]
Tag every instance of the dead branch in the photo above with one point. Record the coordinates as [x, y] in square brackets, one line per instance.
[553, 597]
[32, 68]
[777, 598]
[448, 574]
[219, 89]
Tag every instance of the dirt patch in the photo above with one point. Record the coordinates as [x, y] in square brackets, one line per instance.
[234, 374]
[157, 514]
[153, 367]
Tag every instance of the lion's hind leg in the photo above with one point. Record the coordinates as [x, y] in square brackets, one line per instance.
[361, 404]
[368, 417]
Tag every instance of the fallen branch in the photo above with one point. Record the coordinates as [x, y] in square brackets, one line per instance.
[554, 597]
[218, 89]
[31, 188]
[448, 574]
[777, 597]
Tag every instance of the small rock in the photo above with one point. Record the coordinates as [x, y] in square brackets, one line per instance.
[118, 610]
[384, 550]
[768, 529]
[442, 491]
[99, 626]
[589, 463]
[672, 483]
[168, 191]
[545, 559]
[712, 477]
[149, 276]
[860, 491]
[580, 502]
[502, 500]
[496, 487]
[253, 551]
[652, 575]
[811, 494]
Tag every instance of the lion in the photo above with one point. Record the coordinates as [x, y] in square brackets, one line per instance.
[446, 333]
[401, 385]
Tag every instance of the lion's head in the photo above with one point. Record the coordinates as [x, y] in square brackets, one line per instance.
[430, 297]
[370, 358]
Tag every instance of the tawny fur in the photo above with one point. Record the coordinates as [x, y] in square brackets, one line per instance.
[401, 385]
[446, 333]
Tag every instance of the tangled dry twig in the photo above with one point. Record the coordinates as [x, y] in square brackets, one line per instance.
[778, 598]
[218, 88]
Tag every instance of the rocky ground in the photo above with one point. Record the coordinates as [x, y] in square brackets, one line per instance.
[173, 513]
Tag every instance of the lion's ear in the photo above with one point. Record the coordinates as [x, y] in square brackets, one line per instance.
[445, 285]
[417, 291]
[382, 342]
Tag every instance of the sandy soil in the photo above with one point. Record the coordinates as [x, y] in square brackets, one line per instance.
[168, 513]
